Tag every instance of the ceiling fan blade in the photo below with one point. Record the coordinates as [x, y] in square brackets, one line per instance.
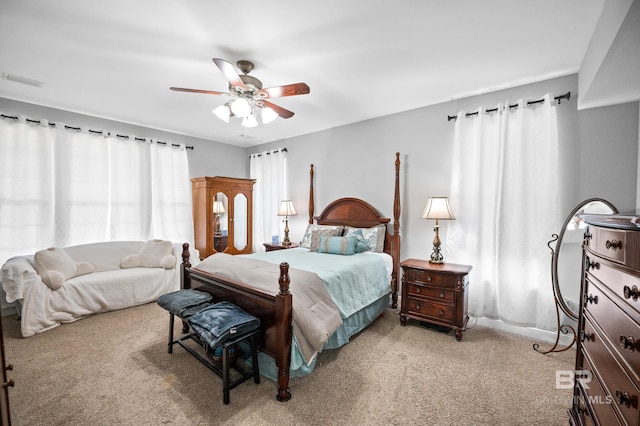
[284, 113]
[288, 90]
[229, 72]
[206, 92]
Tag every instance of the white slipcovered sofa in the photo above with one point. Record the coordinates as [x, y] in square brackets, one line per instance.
[62, 285]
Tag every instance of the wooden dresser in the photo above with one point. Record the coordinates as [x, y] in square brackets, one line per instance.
[607, 377]
[435, 293]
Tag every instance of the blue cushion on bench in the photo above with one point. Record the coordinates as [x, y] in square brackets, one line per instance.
[184, 303]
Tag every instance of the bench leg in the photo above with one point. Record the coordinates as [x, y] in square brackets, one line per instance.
[225, 374]
[254, 357]
[171, 321]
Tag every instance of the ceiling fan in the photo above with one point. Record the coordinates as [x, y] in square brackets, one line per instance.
[249, 96]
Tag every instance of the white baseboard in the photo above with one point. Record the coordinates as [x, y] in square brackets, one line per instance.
[529, 332]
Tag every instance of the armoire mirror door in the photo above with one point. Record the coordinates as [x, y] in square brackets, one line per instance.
[240, 225]
[221, 222]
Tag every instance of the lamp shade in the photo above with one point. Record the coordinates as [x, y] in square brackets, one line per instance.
[218, 207]
[241, 107]
[268, 115]
[250, 121]
[286, 208]
[437, 208]
[223, 112]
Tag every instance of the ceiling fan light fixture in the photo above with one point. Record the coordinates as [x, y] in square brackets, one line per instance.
[268, 115]
[241, 108]
[250, 121]
[223, 112]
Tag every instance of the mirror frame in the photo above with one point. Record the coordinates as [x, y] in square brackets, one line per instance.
[554, 260]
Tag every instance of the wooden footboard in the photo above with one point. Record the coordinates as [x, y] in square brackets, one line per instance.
[274, 312]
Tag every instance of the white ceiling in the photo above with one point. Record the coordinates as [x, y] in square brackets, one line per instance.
[361, 58]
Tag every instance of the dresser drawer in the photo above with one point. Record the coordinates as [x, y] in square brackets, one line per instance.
[624, 285]
[420, 276]
[441, 312]
[608, 243]
[435, 293]
[601, 403]
[620, 329]
[614, 379]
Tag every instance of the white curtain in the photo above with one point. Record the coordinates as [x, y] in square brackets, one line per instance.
[269, 169]
[504, 194]
[62, 187]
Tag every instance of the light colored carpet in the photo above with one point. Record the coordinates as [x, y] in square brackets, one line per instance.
[114, 369]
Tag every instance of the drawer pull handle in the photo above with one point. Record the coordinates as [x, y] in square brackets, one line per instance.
[591, 299]
[9, 384]
[417, 307]
[441, 312]
[626, 399]
[417, 289]
[613, 245]
[628, 342]
[441, 295]
[591, 265]
[631, 292]
[587, 335]
[428, 278]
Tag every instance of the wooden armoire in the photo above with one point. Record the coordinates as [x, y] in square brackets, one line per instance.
[222, 215]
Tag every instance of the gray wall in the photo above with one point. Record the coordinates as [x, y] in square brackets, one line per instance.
[598, 156]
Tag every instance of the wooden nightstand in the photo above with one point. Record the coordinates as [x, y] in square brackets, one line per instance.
[272, 247]
[435, 293]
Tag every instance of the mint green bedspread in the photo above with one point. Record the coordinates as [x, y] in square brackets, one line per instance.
[359, 285]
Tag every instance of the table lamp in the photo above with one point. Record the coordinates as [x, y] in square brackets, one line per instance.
[437, 208]
[286, 210]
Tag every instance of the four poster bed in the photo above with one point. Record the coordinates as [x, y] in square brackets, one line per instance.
[296, 325]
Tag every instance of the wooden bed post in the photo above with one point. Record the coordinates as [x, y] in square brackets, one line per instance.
[311, 202]
[395, 242]
[283, 333]
[185, 279]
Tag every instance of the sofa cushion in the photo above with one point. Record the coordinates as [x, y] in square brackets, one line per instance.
[55, 267]
[104, 255]
[154, 254]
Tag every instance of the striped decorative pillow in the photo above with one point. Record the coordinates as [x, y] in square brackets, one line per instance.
[337, 245]
[314, 241]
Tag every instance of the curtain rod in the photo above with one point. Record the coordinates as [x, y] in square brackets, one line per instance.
[275, 151]
[566, 96]
[94, 132]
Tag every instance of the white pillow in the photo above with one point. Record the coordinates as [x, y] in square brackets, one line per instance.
[55, 267]
[306, 240]
[154, 254]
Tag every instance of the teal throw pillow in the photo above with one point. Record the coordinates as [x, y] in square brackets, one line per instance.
[337, 245]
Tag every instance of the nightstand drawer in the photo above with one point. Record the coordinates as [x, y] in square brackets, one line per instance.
[431, 278]
[441, 312]
[435, 293]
